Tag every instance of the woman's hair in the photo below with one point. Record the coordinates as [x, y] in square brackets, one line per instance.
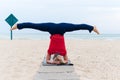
[55, 55]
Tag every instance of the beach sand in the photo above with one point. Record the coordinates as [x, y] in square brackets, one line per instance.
[92, 59]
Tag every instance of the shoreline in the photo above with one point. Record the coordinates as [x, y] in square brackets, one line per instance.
[42, 36]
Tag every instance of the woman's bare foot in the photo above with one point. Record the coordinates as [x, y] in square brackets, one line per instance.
[95, 30]
[14, 27]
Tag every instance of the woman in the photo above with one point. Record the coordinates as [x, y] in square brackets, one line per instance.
[57, 31]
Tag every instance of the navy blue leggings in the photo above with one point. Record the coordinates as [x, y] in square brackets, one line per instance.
[54, 28]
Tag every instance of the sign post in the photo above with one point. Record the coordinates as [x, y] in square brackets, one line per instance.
[11, 20]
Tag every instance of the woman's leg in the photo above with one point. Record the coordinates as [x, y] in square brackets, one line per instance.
[14, 27]
[73, 27]
[61, 28]
[96, 30]
[41, 26]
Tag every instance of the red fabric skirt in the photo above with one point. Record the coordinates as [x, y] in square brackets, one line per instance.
[57, 45]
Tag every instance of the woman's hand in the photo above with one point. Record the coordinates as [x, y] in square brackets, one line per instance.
[56, 62]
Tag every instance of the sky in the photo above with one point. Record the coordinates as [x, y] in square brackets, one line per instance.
[105, 14]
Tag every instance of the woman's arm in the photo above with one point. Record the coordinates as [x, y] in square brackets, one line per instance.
[65, 59]
[48, 59]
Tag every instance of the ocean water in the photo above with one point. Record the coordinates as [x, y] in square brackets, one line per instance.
[44, 36]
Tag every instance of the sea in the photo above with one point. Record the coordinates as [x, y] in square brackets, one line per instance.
[46, 36]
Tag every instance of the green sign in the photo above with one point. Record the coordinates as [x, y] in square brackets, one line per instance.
[11, 20]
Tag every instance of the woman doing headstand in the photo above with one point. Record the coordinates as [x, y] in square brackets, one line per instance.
[57, 43]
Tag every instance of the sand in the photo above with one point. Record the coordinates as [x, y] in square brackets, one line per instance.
[92, 59]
